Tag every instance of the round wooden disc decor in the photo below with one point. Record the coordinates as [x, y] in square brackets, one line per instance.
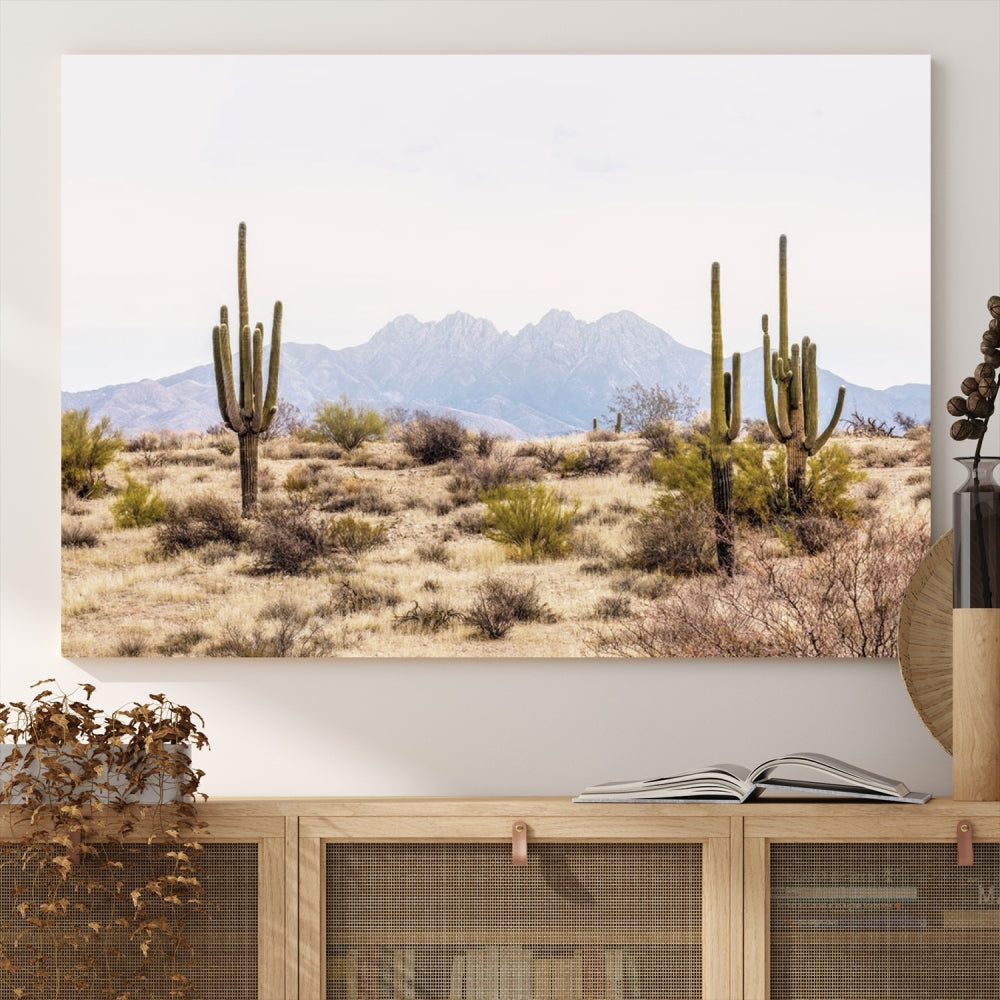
[925, 639]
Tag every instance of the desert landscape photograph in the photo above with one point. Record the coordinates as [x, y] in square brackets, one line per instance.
[497, 357]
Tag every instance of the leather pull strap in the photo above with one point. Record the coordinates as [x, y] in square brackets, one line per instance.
[519, 844]
[963, 836]
[73, 851]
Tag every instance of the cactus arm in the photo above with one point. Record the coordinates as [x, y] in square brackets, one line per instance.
[271, 398]
[241, 277]
[810, 391]
[795, 387]
[246, 374]
[223, 358]
[256, 407]
[834, 420]
[734, 412]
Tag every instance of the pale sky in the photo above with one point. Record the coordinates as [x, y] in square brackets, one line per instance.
[501, 186]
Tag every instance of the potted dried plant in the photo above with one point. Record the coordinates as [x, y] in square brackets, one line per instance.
[99, 847]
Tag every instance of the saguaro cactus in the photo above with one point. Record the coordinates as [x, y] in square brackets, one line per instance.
[251, 411]
[724, 428]
[794, 421]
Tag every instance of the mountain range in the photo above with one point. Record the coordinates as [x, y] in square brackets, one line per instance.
[550, 378]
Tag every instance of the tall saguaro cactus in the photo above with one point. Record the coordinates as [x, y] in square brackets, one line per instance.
[249, 410]
[794, 421]
[724, 428]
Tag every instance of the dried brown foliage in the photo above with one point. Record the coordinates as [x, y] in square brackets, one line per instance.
[83, 786]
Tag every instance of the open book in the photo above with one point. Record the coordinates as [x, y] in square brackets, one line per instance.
[793, 776]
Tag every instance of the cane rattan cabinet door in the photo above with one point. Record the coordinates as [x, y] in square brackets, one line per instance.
[882, 918]
[231, 947]
[456, 919]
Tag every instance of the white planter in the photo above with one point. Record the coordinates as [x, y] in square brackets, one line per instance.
[161, 788]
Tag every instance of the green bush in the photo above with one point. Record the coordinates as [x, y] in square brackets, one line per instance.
[531, 519]
[86, 451]
[342, 424]
[138, 506]
[759, 491]
[829, 478]
[687, 469]
[354, 535]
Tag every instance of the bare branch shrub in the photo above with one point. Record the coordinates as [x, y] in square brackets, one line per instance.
[678, 539]
[282, 628]
[843, 602]
[200, 521]
[500, 604]
[432, 439]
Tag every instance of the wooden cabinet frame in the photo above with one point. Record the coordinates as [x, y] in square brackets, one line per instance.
[548, 821]
[766, 824]
[291, 835]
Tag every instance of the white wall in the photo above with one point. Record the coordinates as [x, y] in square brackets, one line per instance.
[477, 726]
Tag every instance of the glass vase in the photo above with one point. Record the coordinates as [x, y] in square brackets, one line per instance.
[976, 528]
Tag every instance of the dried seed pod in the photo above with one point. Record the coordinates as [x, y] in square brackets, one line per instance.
[992, 357]
[977, 428]
[985, 370]
[994, 323]
[968, 385]
[990, 339]
[978, 406]
[960, 429]
[957, 406]
[994, 305]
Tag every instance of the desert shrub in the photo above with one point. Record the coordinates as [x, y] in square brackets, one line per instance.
[613, 606]
[921, 438]
[686, 469]
[138, 506]
[473, 476]
[345, 425]
[288, 539]
[641, 406]
[875, 488]
[546, 453]
[661, 435]
[759, 490]
[352, 596]
[180, 643]
[675, 535]
[281, 628]
[829, 478]
[288, 420]
[78, 535]
[758, 431]
[436, 552]
[132, 641]
[354, 535]
[601, 434]
[531, 519]
[86, 451]
[500, 604]
[595, 460]
[809, 534]
[843, 602]
[483, 443]
[202, 520]
[432, 439]
[469, 522]
[435, 617]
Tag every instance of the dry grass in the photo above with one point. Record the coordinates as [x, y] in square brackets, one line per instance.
[126, 596]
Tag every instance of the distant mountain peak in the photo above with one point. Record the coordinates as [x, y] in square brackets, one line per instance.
[549, 378]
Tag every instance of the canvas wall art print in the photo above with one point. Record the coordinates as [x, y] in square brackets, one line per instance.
[493, 356]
